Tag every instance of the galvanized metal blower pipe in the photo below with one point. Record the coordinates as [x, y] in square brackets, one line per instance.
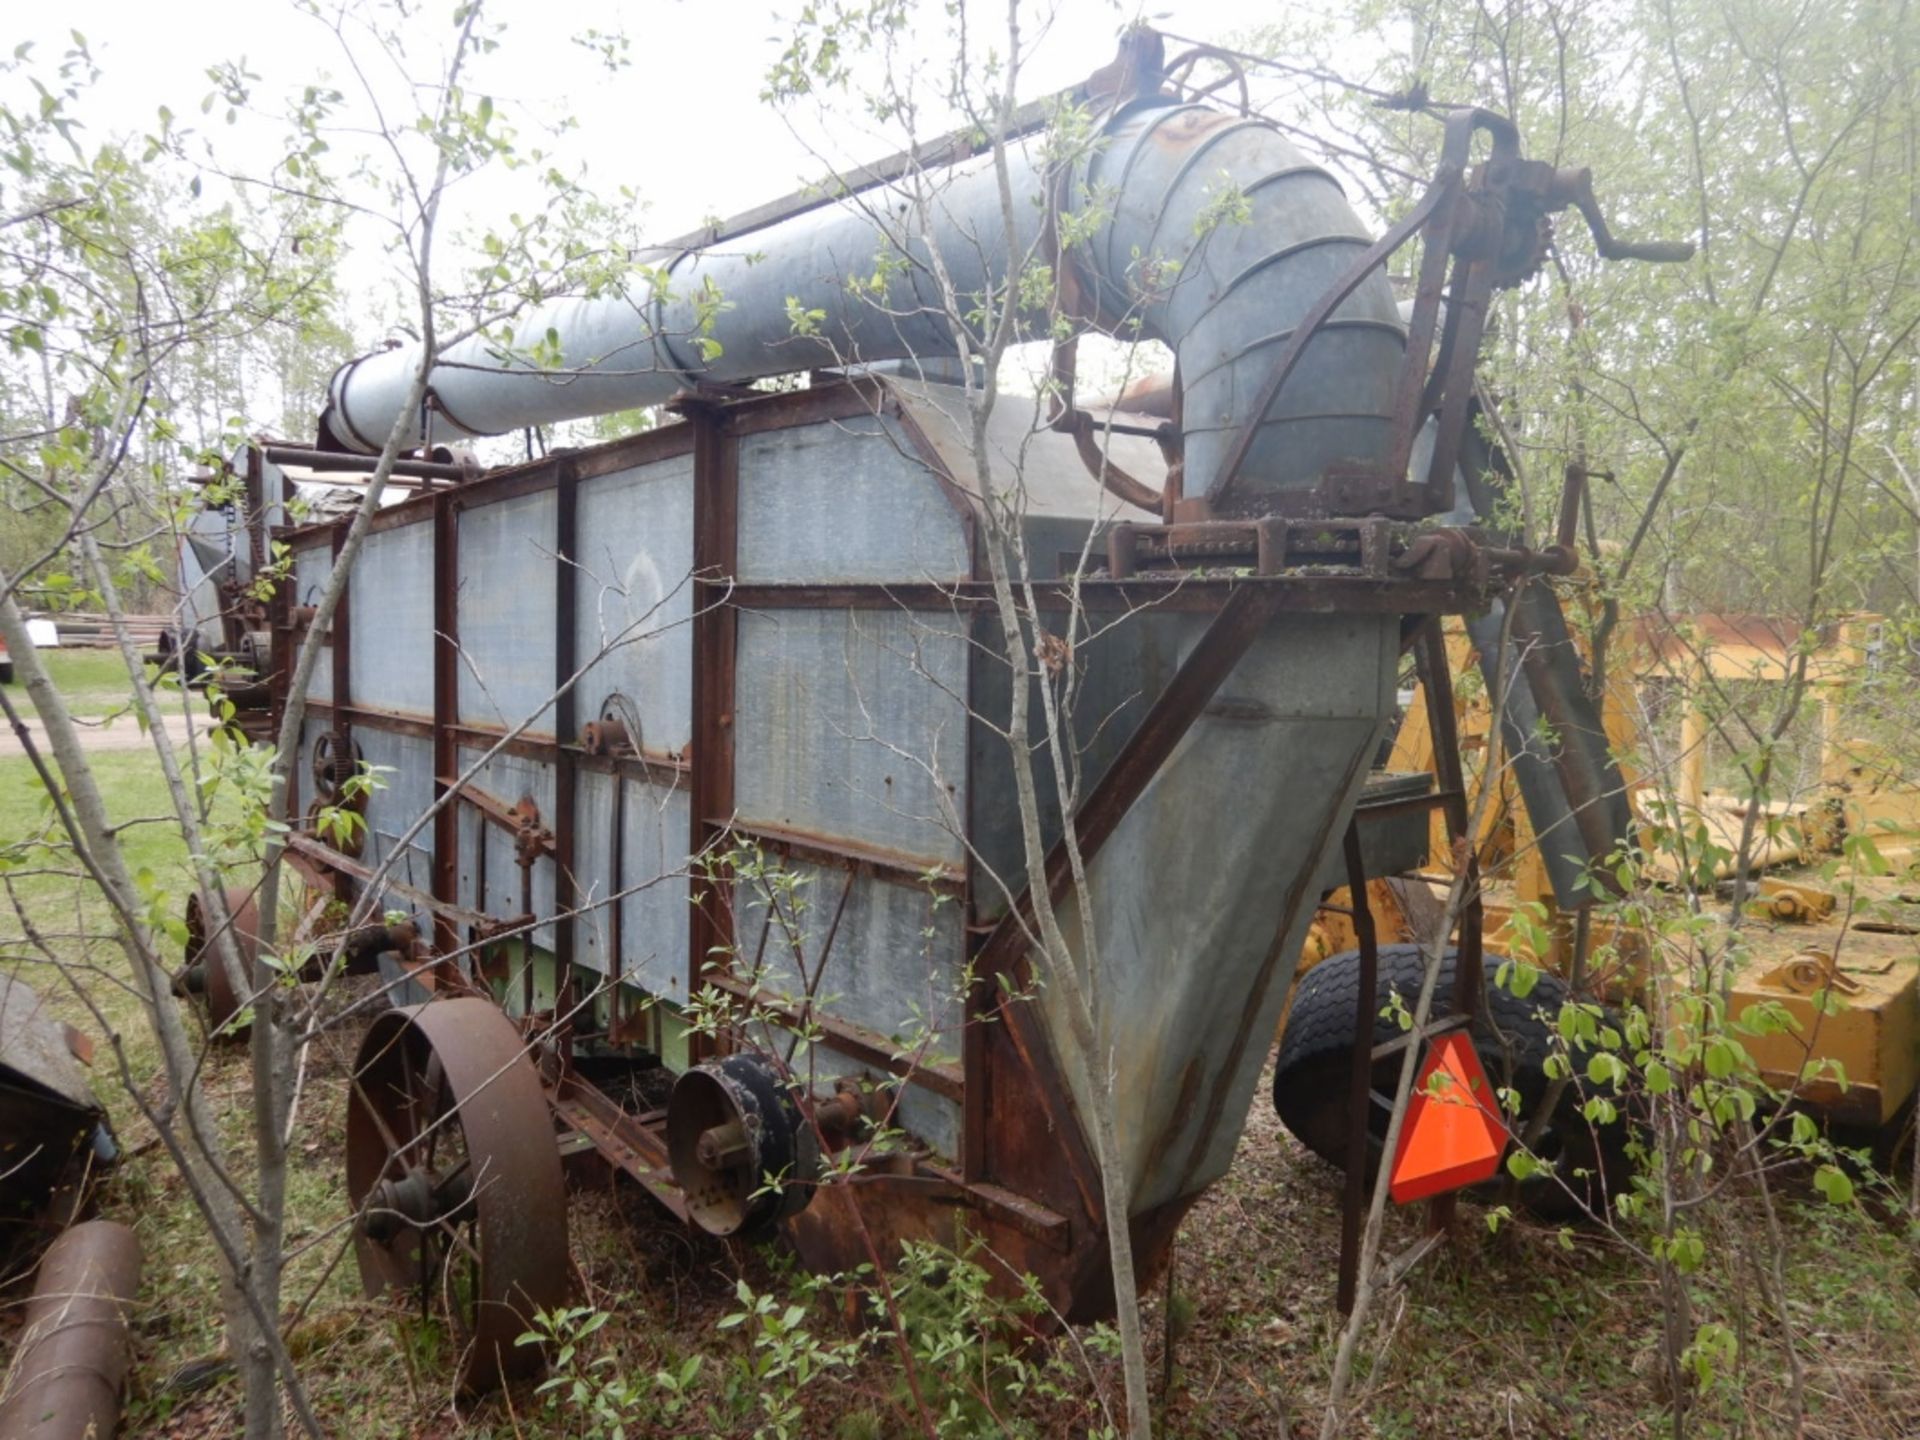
[1215, 235]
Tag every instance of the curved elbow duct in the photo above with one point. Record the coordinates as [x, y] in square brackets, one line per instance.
[1207, 231]
[1221, 236]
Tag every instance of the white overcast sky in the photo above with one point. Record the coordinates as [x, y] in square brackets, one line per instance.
[684, 126]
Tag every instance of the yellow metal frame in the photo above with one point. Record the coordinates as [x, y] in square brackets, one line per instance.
[1871, 1025]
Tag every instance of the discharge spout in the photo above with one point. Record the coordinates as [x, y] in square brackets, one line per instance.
[1207, 231]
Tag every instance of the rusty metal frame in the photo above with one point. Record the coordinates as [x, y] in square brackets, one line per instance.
[1012, 1095]
[1353, 1193]
[1014, 1100]
[256, 504]
[1317, 594]
[847, 855]
[1450, 797]
[716, 545]
[446, 710]
[566, 632]
[633, 1143]
[530, 744]
[1437, 684]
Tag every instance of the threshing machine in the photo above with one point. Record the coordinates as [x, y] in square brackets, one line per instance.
[718, 712]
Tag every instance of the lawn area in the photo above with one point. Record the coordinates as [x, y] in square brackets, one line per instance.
[94, 681]
[72, 914]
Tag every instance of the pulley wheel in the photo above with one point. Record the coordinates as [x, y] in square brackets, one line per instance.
[206, 973]
[336, 759]
[453, 1168]
[740, 1148]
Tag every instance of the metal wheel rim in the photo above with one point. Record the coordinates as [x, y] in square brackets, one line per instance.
[452, 1073]
[221, 1000]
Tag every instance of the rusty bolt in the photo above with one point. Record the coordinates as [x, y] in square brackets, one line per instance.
[605, 736]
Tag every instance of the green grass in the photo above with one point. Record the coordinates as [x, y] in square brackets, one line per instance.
[73, 919]
[133, 786]
[94, 681]
[72, 915]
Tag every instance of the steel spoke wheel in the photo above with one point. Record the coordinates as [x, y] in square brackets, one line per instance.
[206, 976]
[454, 1174]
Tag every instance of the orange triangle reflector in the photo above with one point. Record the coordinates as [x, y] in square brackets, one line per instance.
[1453, 1134]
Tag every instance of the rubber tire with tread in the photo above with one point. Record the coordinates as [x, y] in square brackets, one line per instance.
[1311, 1075]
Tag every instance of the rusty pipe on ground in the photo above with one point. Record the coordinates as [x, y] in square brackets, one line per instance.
[66, 1376]
[1206, 230]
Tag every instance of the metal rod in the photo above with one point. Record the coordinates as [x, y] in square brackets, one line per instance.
[527, 993]
[1572, 493]
[566, 899]
[1585, 785]
[344, 463]
[616, 919]
[1433, 1029]
[1467, 977]
[1437, 682]
[1353, 1199]
[714, 633]
[446, 713]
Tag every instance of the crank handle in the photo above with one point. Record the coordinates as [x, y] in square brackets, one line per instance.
[1575, 188]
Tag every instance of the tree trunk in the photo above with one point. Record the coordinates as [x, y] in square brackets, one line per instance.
[149, 978]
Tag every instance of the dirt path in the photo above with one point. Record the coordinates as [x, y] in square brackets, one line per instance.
[121, 733]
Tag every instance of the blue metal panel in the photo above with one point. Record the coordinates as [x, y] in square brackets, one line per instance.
[404, 791]
[390, 621]
[895, 966]
[1122, 670]
[852, 724]
[847, 501]
[592, 867]
[311, 567]
[506, 778]
[1202, 895]
[506, 611]
[656, 919]
[653, 915]
[635, 597]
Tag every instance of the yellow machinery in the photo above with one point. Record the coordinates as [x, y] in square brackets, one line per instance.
[1821, 929]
